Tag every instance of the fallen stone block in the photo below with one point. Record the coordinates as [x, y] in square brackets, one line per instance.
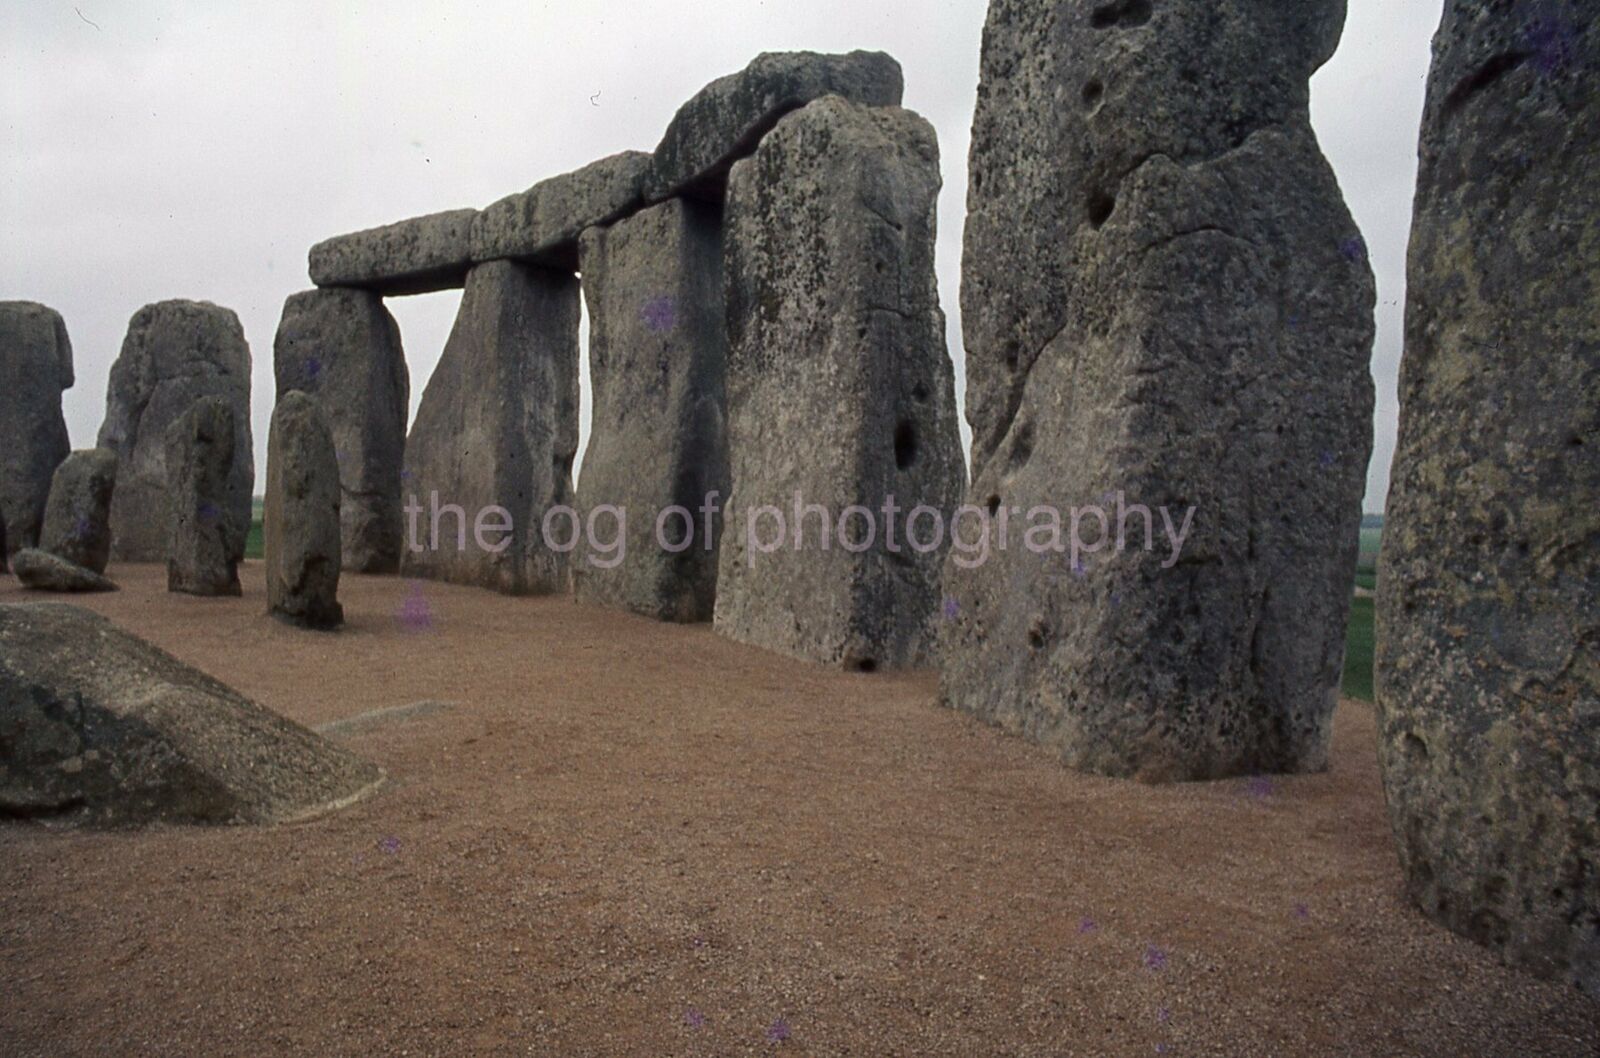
[77, 518]
[42, 571]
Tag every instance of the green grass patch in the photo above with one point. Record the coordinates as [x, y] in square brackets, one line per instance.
[253, 547]
[1358, 639]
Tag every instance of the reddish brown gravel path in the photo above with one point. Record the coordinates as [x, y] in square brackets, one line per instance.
[626, 838]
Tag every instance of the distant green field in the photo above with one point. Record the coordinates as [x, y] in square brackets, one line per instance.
[252, 543]
[1358, 641]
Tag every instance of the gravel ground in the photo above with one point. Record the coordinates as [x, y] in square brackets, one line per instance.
[605, 836]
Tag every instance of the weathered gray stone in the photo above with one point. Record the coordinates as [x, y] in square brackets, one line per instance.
[726, 119]
[840, 387]
[300, 520]
[199, 461]
[414, 256]
[542, 224]
[35, 366]
[342, 348]
[175, 353]
[98, 727]
[4, 568]
[498, 427]
[1167, 305]
[658, 436]
[1488, 660]
[42, 571]
[77, 518]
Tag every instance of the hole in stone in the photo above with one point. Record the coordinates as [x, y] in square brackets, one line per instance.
[1575, 442]
[868, 665]
[905, 444]
[1415, 749]
[1012, 351]
[1036, 636]
[861, 332]
[994, 505]
[1022, 446]
[1092, 93]
[1100, 207]
[1122, 13]
[919, 393]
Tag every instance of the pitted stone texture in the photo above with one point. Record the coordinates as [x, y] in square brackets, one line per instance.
[498, 427]
[98, 727]
[657, 361]
[415, 256]
[77, 518]
[1488, 660]
[840, 386]
[42, 571]
[1167, 307]
[727, 119]
[35, 366]
[199, 461]
[300, 522]
[542, 224]
[175, 353]
[342, 348]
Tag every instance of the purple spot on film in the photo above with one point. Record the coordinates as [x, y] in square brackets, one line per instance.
[209, 512]
[951, 609]
[1553, 41]
[313, 369]
[778, 1031]
[390, 845]
[1301, 911]
[659, 314]
[1163, 1015]
[1258, 788]
[1088, 925]
[414, 614]
[694, 1019]
[1326, 459]
[1154, 958]
[1354, 249]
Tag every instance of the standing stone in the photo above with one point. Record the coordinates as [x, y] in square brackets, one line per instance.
[1488, 659]
[840, 388]
[300, 522]
[1167, 308]
[3, 567]
[658, 439]
[175, 353]
[342, 348]
[77, 518]
[35, 366]
[199, 459]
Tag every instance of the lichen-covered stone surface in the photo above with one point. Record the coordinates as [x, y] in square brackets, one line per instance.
[542, 224]
[98, 727]
[77, 517]
[726, 119]
[1166, 305]
[35, 366]
[1488, 662]
[413, 256]
[342, 348]
[497, 427]
[175, 353]
[199, 536]
[657, 362]
[43, 571]
[300, 520]
[840, 386]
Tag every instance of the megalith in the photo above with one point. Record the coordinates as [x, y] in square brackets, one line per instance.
[77, 517]
[104, 729]
[1488, 610]
[175, 353]
[342, 348]
[35, 366]
[1168, 322]
[840, 389]
[542, 224]
[413, 256]
[200, 538]
[658, 436]
[491, 448]
[300, 521]
[43, 571]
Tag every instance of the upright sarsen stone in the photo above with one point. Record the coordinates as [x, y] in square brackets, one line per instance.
[840, 388]
[175, 353]
[300, 521]
[342, 348]
[497, 427]
[77, 518]
[1488, 651]
[199, 537]
[658, 438]
[1167, 307]
[35, 366]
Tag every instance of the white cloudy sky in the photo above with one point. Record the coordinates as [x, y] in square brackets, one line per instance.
[160, 149]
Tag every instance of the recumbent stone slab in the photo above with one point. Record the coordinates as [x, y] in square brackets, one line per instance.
[199, 461]
[35, 366]
[1488, 652]
[840, 387]
[300, 522]
[175, 353]
[42, 571]
[342, 348]
[1168, 307]
[77, 518]
[414, 256]
[542, 224]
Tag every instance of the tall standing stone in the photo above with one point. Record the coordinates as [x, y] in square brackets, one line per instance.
[1488, 661]
[658, 438]
[199, 459]
[342, 348]
[495, 435]
[35, 366]
[1166, 306]
[175, 353]
[840, 388]
[300, 522]
[77, 518]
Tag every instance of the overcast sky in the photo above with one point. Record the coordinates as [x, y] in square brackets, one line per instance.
[155, 150]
